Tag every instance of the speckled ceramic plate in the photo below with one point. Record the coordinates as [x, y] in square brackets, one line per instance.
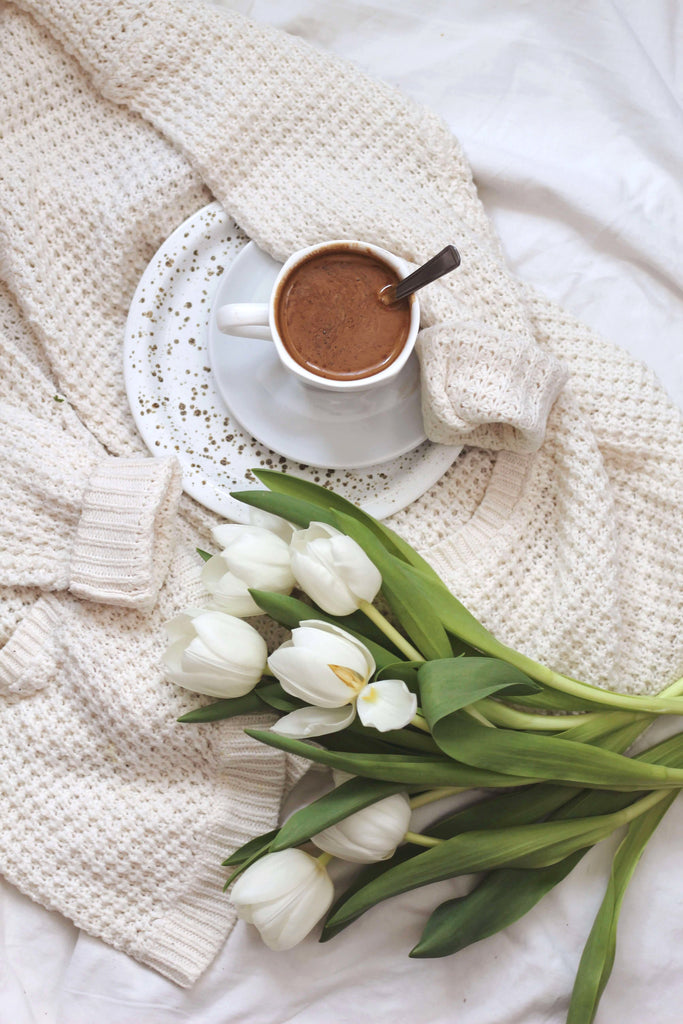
[177, 405]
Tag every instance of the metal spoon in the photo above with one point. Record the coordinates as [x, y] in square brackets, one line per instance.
[445, 261]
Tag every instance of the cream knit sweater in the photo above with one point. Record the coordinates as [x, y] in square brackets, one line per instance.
[558, 525]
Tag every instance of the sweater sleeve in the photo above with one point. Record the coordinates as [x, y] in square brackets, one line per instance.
[76, 519]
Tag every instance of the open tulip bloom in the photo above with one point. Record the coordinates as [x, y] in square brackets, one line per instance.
[413, 709]
[331, 670]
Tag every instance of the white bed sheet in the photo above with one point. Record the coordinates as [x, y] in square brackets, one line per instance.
[571, 117]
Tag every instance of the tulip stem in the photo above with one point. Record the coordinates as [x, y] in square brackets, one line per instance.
[419, 723]
[324, 859]
[478, 717]
[390, 631]
[420, 840]
[432, 795]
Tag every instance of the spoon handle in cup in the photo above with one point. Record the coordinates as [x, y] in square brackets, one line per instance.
[445, 261]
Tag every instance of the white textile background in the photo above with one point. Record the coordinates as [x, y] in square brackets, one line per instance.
[571, 115]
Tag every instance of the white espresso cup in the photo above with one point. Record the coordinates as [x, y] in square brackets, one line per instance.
[260, 320]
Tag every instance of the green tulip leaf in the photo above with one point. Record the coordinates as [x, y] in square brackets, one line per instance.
[553, 758]
[204, 555]
[410, 739]
[450, 684]
[506, 895]
[250, 704]
[275, 697]
[499, 900]
[410, 769]
[597, 959]
[248, 849]
[470, 852]
[555, 700]
[295, 487]
[258, 848]
[327, 810]
[406, 671]
[294, 510]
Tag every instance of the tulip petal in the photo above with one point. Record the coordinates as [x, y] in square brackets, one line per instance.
[369, 835]
[270, 877]
[387, 704]
[314, 721]
[229, 593]
[334, 646]
[360, 575]
[214, 653]
[181, 626]
[304, 676]
[231, 639]
[302, 914]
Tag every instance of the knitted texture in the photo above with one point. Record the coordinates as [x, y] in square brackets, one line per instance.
[558, 525]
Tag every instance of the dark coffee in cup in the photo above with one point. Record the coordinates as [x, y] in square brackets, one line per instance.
[331, 319]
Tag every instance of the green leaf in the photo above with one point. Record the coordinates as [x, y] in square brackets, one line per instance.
[497, 902]
[250, 704]
[554, 758]
[468, 852]
[248, 849]
[275, 697]
[403, 670]
[300, 513]
[295, 487]
[448, 685]
[555, 700]
[411, 739]
[410, 769]
[597, 960]
[203, 554]
[505, 895]
[327, 810]
[290, 612]
[259, 848]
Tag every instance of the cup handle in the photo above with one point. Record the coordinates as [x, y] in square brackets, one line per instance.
[244, 320]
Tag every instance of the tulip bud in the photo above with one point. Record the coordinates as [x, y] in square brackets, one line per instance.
[333, 569]
[252, 557]
[214, 653]
[284, 895]
[368, 835]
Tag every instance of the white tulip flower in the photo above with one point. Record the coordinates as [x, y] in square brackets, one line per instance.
[214, 653]
[333, 569]
[368, 835]
[328, 668]
[284, 895]
[252, 557]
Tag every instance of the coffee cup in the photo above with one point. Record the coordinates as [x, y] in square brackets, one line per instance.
[330, 327]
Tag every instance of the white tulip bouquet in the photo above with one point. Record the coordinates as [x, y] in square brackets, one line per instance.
[408, 708]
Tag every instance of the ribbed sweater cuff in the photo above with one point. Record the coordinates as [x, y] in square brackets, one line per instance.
[27, 661]
[125, 535]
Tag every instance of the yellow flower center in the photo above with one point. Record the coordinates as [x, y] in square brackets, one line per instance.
[349, 677]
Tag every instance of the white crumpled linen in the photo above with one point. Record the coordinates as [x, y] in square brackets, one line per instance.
[571, 118]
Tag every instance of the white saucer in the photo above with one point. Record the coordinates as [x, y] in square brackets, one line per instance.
[175, 400]
[303, 424]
